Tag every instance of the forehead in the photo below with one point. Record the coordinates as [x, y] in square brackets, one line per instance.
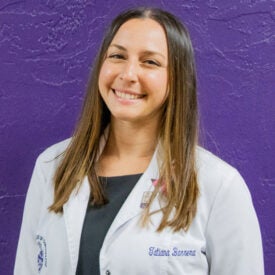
[141, 32]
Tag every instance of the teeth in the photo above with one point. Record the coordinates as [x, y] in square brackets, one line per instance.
[126, 96]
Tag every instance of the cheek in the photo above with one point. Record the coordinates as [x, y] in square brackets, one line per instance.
[105, 76]
[158, 82]
[158, 78]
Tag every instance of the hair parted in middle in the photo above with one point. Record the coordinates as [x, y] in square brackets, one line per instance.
[177, 137]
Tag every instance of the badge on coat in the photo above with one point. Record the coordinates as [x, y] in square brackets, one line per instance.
[145, 199]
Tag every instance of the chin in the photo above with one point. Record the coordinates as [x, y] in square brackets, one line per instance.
[127, 118]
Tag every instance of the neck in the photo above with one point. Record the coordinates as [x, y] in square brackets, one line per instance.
[129, 148]
[128, 139]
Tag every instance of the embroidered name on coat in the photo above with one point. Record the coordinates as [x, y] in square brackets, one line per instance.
[174, 252]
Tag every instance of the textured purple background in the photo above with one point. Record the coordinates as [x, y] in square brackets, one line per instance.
[47, 48]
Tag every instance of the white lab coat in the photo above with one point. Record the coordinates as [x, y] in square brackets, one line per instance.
[224, 238]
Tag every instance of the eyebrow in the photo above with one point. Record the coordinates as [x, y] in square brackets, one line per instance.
[146, 52]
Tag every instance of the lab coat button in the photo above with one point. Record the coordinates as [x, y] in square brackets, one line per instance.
[108, 272]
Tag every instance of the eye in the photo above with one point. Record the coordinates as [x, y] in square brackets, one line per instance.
[116, 56]
[152, 62]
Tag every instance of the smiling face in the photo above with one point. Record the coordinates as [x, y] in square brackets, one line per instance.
[133, 78]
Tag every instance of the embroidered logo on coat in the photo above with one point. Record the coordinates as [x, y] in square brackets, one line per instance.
[42, 254]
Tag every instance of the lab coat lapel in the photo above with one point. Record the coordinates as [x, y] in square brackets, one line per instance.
[132, 205]
[74, 214]
[75, 210]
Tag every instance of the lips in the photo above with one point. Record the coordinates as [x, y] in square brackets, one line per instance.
[127, 95]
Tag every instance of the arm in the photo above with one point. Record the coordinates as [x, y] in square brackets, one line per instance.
[27, 250]
[234, 245]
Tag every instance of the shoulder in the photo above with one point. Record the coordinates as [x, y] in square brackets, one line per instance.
[50, 158]
[215, 176]
[54, 151]
[41, 187]
[210, 162]
[210, 165]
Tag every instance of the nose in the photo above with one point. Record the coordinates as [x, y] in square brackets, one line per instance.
[129, 71]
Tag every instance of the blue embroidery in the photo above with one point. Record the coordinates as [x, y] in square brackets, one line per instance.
[186, 253]
[175, 252]
[155, 251]
[40, 259]
[42, 254]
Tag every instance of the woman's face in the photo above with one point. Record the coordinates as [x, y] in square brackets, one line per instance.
[133, 79]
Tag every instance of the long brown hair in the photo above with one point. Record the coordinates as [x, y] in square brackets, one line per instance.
[178, 136]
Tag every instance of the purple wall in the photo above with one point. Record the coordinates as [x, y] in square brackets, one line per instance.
[47, 48]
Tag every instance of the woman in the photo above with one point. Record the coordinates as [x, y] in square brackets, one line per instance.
[131, 192]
